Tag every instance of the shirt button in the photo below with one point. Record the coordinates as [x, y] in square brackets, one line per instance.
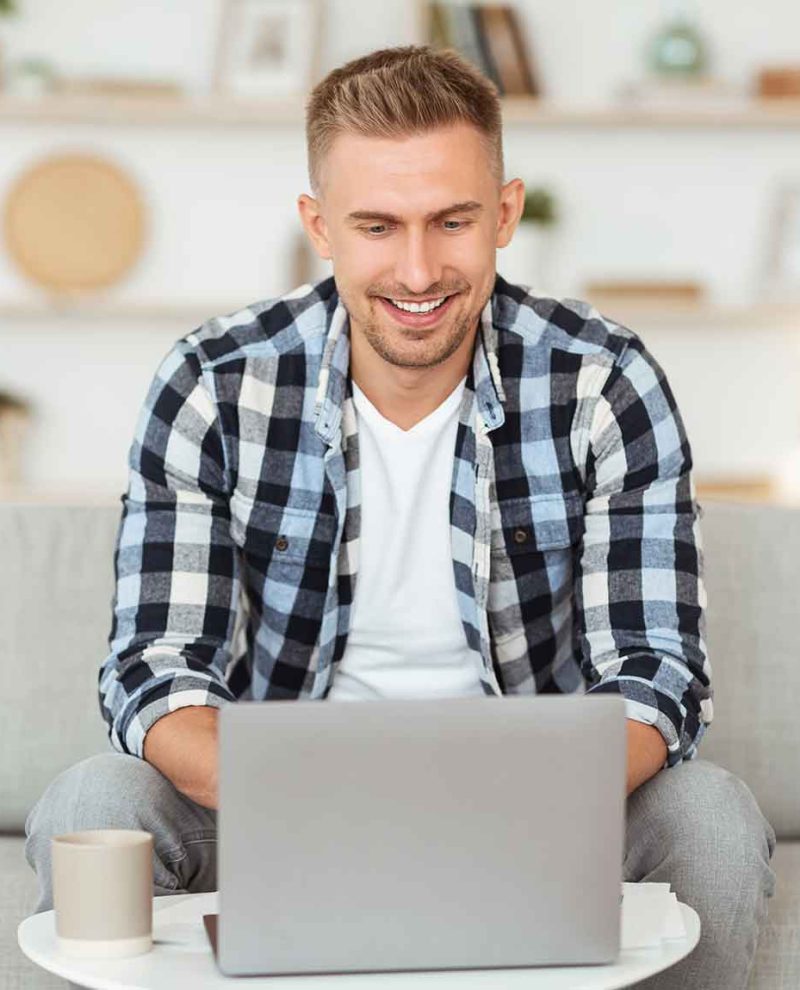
[520, 535]
[281, 543]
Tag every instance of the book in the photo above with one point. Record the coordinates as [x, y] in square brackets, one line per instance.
[506, 48]
[490, 37]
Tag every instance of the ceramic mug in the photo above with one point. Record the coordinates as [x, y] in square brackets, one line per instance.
[103, 892]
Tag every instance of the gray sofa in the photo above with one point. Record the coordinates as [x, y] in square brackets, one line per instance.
[55, 592]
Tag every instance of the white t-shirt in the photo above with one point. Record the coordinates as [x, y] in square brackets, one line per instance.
[406, 639]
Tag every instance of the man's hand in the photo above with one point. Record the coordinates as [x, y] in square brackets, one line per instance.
[183, 746]
[647, 753]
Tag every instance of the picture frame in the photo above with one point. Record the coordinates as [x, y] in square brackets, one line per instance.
[268, 49]
[781, 277]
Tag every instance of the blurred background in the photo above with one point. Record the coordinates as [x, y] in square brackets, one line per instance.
[151, 155]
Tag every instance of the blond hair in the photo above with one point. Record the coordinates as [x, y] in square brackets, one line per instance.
[397, 92]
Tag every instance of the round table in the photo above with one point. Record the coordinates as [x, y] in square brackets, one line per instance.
[182, 958]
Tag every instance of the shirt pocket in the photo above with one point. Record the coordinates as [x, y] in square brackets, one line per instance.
[538, 523]
[282, 537]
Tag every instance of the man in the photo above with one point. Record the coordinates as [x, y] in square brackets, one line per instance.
[415, 479]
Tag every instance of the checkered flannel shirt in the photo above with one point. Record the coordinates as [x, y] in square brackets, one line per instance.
[574, 527]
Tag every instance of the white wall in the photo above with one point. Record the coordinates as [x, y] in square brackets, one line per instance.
[682, 202]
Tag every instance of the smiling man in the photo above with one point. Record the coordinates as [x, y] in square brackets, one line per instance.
[415, 479]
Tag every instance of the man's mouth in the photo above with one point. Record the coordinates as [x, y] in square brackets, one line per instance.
[410, 314]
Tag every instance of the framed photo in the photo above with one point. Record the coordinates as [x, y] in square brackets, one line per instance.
[782, 269]
[268, 48]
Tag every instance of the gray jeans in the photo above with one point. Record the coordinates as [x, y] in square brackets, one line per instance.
[696, 826]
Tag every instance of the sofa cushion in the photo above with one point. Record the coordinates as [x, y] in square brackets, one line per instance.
[19, 893]
[752, 566]
[56, 588]
[777, 963]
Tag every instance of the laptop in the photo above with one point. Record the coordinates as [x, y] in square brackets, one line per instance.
[387, 835]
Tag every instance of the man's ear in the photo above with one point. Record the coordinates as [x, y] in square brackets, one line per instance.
[315, 226]
[512, 203]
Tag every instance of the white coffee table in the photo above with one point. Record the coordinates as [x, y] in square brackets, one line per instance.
[182, 959]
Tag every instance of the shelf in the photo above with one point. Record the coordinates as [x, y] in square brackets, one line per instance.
[220, 110]
[690, 314]
[75, 494]
[104, 310]
[749, 113]
[146, 110]
[623, 311]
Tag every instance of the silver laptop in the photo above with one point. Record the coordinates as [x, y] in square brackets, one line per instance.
[358, 836]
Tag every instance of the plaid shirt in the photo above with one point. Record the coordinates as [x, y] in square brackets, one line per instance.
[574, 526]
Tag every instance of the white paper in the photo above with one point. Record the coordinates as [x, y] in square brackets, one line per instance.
[650, 913]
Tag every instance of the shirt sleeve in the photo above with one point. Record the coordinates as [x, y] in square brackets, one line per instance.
[175, 565]
[639, 579]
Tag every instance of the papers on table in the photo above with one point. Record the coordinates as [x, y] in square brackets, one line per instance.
[650, 913]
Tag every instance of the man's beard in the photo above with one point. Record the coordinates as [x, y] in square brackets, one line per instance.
[444, 343]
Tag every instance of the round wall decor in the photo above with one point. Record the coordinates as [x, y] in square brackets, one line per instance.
[74, 222]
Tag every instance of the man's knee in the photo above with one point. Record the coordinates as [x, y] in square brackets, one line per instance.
[108, 790]
[706, 820]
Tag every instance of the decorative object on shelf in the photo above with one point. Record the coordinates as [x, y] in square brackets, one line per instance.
[747, 488]
[32, 77]
[678, 49]
[7, 7]
[525, 260]
[15, 417]
[778, 82]
[268, 48]
[160, 89]
[491, 37]
[74, 223]
[644, 292]
[780, 280]
[691, 93]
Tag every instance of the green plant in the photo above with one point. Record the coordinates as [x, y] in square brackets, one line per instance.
[540, 207]
[8, 7]
[10, 401]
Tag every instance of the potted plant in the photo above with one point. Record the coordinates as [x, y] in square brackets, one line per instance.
[7, 7]
[526, 259]
[15, 419]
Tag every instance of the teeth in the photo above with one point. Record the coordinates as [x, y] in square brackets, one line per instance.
[425, 307]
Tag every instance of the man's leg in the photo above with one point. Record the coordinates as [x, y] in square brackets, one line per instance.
[699, 828]
[115, 790]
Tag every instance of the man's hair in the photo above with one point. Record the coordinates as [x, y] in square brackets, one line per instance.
[398, 92]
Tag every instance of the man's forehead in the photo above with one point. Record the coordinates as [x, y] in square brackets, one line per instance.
[352, 156]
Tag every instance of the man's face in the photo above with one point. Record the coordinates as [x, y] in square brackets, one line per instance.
[384, 218]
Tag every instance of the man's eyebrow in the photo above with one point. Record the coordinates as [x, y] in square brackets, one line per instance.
[468, 206]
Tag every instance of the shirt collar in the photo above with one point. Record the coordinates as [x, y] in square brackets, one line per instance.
[334, 367]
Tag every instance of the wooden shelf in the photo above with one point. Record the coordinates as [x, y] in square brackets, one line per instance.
[747, 113]
[690, 314]
[146, 110]
[105, 310]
[219, 110]
[625, 312]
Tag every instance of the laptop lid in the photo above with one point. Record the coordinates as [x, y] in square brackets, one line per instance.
[420, 834]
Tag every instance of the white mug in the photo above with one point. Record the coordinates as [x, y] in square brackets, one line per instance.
[103, 892]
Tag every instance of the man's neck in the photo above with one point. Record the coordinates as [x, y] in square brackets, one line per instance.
[405, 396]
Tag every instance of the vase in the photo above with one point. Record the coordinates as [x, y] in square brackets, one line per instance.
[527, 258]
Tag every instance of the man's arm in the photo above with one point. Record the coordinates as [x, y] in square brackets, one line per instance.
[638, 582]
[647, 752]
[177, 580]
[183, 746]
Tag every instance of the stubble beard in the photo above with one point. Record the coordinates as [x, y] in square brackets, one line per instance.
[444, 342]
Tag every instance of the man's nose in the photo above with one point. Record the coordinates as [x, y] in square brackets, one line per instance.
[417, 267]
